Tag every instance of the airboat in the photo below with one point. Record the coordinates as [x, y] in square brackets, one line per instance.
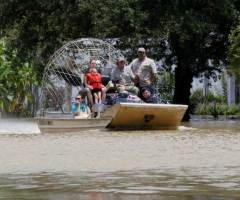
[63, 80]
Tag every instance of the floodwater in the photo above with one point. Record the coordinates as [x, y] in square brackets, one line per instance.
[200, 161]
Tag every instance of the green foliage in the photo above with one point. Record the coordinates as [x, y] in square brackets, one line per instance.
[16, 81]
[211, 105]
[234, 52]
[217, 109]
[233, 110]
[186, 33]
[195, 30]
[197, 99]
[165, 85]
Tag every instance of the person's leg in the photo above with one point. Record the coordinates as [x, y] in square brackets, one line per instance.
[103, 96]
[99, 94]
[90, 97]
[95, 97]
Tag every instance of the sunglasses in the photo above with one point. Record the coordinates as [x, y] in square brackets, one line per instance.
[78, 98]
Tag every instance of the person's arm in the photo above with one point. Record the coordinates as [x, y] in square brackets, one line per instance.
[112, 76]
[131, 65]
[154, 72]
[78, 109]
[135, 77]
[130, 72]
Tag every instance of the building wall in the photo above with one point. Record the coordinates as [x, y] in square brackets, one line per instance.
[208, 85]
[216, 87]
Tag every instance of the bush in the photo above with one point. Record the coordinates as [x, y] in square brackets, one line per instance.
[165, 85]
[233, 110]
[198, 97]
[216, 109]
[16, 82]
[200, 109]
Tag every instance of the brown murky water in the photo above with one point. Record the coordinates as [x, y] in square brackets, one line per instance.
[198, 161]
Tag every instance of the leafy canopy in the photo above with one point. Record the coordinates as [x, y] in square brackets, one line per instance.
[234, 52]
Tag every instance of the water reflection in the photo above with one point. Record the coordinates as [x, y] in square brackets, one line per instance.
[18, 126]
[198, 161]
[149, 185]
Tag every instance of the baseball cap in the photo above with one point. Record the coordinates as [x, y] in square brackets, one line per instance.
[141, 49]
[120, 59]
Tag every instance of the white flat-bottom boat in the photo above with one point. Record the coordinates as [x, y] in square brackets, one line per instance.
[64, 125]
[127, 116]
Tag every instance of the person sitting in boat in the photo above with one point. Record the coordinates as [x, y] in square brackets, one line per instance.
[80, 108]
[93, 81]
[85, 90]
[144, 70]
[122, 77]
[88, 88]
[148, 96]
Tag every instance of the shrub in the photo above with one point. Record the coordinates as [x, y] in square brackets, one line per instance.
[16, 82]
[216, 109]
[233, 110]
[165, 85]
[198, 97]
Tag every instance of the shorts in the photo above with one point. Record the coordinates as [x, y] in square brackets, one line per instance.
[96, 90]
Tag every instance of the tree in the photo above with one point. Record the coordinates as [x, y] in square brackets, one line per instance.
[197, 36]
[234, 52]
[193, 35]
[15, 85]
[37, 28]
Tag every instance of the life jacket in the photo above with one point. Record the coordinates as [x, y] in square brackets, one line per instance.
[95, 80]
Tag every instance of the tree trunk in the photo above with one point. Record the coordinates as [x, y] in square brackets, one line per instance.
[183, 84]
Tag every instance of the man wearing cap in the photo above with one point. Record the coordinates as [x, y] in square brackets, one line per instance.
[144, 69]
[123, 77]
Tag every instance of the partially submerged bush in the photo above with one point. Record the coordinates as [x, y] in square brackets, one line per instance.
[198, 97]
[233, 110]
[216, 109]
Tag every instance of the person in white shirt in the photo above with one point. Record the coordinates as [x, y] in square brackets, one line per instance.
[144, 70]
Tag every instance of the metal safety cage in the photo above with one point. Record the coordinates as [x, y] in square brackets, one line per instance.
[64, 73]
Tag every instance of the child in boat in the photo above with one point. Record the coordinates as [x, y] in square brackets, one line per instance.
[80, 109]
[94, 83]
[148, 96]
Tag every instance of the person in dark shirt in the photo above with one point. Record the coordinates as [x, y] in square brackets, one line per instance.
[148, 96]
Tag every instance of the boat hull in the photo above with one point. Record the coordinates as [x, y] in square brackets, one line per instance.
[145, 116]
[63, 125]
[128, 116]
